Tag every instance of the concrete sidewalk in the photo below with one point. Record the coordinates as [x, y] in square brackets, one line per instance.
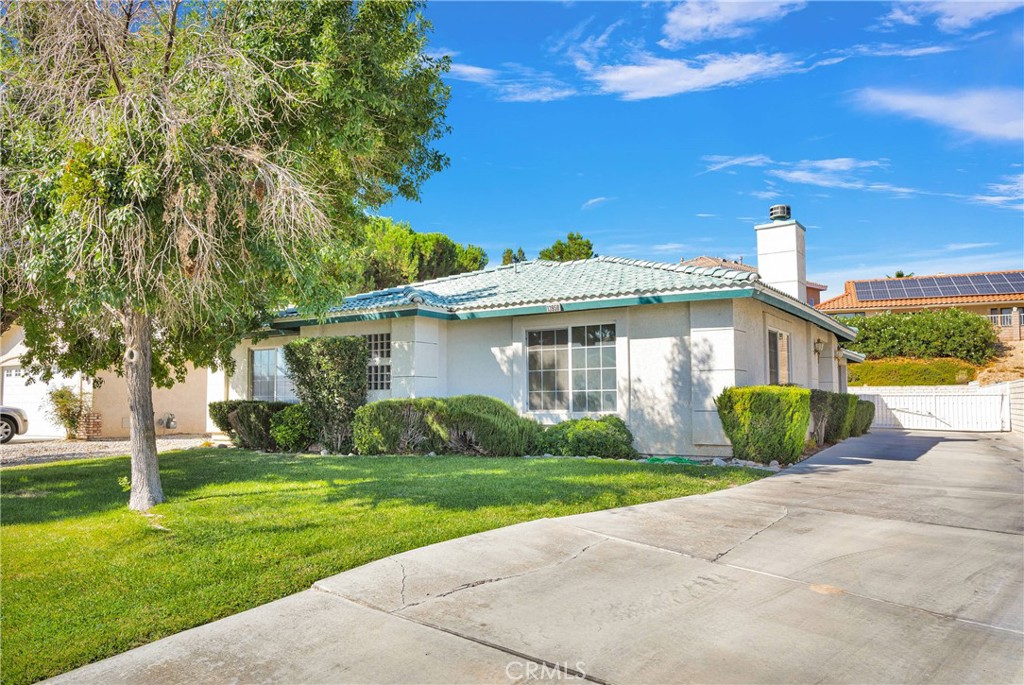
[895, 557]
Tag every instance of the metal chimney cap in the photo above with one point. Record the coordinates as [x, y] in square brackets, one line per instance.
[779, 213]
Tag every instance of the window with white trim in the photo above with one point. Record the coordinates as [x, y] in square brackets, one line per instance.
[572, 369]
[378, 370]
[779, 369]
[268, 376]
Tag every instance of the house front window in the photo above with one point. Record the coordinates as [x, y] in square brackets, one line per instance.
[572, 369]
[778, 358]
[269, 377]
[378, 370]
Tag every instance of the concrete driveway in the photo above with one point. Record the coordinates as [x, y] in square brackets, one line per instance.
[895, 557]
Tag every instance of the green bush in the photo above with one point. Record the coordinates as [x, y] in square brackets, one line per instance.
[912, 372]
[476, 424]
[400, 426]
[67, 407]
[841, 411]
[249, 423]
[863, 416]
[607, 437]
[219, 413]
[293, 429]
[765, 422]
[925, 335]
[330, 378]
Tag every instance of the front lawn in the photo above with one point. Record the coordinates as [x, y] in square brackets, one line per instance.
[84, 578]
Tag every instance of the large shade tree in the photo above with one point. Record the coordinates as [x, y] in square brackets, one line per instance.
[173, 172]
[397, 254]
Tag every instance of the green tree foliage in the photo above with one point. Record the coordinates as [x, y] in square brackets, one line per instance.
[924, 335]
[575, 246]
[396, 254]
[172, 172]
[330, 378]
[67, 407]
[510, 257]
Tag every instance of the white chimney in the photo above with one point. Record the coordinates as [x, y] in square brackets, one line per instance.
[781, 258]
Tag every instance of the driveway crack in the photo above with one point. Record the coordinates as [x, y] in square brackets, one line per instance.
[753, 535]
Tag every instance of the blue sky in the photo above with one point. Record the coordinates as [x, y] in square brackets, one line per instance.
[895, 130]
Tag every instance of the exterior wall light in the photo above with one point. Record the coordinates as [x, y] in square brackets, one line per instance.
[819, 345]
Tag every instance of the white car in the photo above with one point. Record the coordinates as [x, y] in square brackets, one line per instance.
[13, 421]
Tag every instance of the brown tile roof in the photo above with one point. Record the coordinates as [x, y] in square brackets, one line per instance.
[704, 260]
[848, 300]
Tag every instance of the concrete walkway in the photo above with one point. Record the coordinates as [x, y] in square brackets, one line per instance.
[892, 558]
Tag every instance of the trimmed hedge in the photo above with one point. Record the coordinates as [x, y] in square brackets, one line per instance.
[841, 410]
[330, 378]
[293, 429]
[250, 424]
[219, 413]
[479, 425]
[862, 417]
[765, 422]
[924, 335]
[476, 424]
[607, 437]
[913, 372]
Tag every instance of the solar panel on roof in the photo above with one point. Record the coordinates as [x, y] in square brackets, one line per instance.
[941, 286]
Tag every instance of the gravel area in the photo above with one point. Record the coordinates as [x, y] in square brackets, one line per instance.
[31, 451]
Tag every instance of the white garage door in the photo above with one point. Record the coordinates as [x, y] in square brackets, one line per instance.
[32, 398]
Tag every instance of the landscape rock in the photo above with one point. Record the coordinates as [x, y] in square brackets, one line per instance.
[324, 453]
[774, 462]
[718, 462]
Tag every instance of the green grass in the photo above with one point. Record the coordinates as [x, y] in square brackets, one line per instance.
[900, 371]
[84, 578]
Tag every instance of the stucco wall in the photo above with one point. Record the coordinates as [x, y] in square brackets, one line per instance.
[187, 401]
[479, 358]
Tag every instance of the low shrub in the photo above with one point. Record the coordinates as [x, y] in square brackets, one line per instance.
[841, 409]
[607, 437]
[819, 415]
[476, 424]
[863, 416]
[293, 429]
[765, 422]
[250, 424]
[67, 407]
[912, 372]
[330, 378]
[399, 426]
[219, 413]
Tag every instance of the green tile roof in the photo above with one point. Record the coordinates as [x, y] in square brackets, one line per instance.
[540, 281]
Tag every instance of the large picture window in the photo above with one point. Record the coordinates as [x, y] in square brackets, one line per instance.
[572, 369]
[269, 377]
[778, 358]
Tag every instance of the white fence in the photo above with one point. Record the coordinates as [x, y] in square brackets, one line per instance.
[949, 408]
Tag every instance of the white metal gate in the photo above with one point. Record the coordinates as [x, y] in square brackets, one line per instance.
[949, 408]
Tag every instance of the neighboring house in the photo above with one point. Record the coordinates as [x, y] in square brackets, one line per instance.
[179, 409]
[814, 290]
[652, 343]
[996, 295]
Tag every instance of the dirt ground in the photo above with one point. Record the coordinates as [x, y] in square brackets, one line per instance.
[1008, 367]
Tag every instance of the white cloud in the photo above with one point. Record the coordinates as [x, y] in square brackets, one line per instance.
[996, 113]
[655, 77]
[959, 247]
[697, 20]
[703, 215]
[439, 52]
[949, 15]
[1007, 193]
[765, 194]
[891, 50]
[594, 202]
[468, 72]
[719, 162]
[516, 83]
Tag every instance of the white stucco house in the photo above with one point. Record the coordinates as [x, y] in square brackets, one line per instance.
[653, 343]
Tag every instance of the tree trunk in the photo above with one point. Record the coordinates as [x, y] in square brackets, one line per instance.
[138, 367]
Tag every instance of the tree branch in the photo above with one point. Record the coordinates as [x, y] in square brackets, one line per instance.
[170, 36]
